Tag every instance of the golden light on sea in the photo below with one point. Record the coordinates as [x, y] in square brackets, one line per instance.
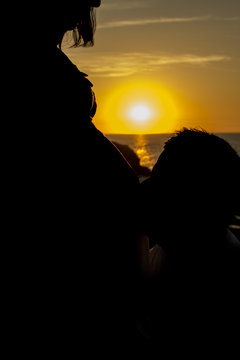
[139, 107]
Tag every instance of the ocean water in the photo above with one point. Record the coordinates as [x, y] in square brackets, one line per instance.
[148, 147]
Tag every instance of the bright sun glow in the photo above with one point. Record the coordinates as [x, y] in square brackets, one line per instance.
[138, 107]
[140, 113]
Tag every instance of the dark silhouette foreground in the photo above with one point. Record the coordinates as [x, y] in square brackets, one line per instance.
[189, 202]
[79, 196]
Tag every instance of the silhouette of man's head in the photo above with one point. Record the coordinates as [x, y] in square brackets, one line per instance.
[195, 183]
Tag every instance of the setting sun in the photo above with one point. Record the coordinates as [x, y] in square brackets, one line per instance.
[140, 113]
[138, 107]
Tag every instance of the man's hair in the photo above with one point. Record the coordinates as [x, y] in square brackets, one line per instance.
[199, 173]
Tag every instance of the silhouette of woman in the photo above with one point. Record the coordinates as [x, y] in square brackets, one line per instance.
[85, 197]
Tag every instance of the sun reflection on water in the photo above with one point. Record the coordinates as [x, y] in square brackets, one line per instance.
[148, 147]
[141, 149]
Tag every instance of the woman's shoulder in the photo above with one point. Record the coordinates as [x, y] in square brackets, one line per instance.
[107, 157]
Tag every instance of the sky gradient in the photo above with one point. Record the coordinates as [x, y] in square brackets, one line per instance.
[180, 58]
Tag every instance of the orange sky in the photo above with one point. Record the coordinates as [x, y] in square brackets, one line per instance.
[178, 58]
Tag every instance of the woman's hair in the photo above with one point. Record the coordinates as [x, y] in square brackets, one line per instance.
[83, 33]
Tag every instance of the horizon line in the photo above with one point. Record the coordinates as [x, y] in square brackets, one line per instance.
[173, 132]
